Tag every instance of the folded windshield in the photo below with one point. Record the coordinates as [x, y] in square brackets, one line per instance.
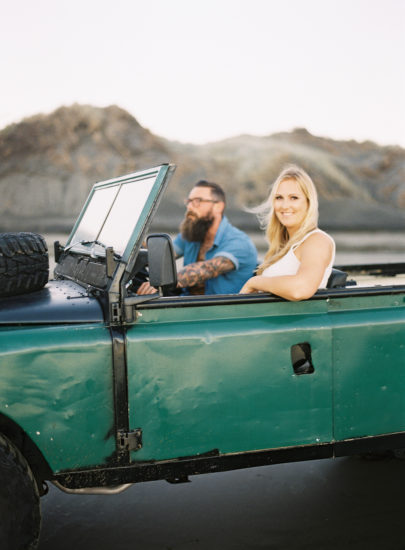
[110, 216]
[103, 245]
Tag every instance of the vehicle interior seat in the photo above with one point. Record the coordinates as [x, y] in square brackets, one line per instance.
[337, 279]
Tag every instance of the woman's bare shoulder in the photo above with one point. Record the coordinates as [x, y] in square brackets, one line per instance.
[319, 242]
[318, 237]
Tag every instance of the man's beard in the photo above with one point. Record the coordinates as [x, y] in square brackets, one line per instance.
[194, 229]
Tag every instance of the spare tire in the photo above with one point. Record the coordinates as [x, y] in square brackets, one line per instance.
[24, 263]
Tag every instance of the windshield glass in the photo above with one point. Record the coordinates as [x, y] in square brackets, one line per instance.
[124, 214]
[110, 215]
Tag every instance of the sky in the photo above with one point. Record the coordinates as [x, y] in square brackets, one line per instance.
[206, 70]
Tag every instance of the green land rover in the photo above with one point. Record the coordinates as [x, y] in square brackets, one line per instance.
[101, 388]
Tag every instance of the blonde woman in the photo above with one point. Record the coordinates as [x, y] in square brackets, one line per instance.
[301, 256]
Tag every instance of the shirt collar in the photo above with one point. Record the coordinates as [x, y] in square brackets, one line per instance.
[221, 230]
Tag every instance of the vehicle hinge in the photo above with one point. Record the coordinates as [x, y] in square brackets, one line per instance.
[109, 261]
[130, 441]
[115, 312]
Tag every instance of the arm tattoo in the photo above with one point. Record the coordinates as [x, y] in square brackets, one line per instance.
[198, 272]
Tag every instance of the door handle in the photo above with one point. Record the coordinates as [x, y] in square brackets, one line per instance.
[301, 358]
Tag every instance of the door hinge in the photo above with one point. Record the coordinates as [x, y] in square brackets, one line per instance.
[115, 312]
[130, 441]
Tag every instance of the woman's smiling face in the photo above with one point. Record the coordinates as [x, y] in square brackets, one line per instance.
[290, 205]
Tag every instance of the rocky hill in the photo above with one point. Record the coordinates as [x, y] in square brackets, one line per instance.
[48, 164]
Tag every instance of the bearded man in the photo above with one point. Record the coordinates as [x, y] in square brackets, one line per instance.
[218, 257]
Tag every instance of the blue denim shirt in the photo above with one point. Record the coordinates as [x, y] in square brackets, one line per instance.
[231, 243]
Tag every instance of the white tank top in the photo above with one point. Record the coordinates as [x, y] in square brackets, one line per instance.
[289, 264]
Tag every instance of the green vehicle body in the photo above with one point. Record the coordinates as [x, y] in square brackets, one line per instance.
[100, 388]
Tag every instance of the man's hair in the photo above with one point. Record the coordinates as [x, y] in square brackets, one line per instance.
[217, 192]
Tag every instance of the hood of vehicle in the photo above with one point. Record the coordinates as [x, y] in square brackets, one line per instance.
[58, 302]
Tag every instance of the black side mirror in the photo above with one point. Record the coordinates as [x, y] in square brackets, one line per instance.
[162, 263]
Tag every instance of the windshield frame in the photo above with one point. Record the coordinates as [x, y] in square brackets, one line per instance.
[101, 217]
[96, 265]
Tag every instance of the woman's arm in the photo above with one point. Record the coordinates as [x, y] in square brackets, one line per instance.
[314, 254]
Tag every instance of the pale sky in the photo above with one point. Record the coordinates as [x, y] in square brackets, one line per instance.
[199, 71]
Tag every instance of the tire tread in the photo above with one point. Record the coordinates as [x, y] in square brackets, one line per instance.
[24, 263]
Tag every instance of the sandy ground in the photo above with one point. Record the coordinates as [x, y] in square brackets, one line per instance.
[326, 504]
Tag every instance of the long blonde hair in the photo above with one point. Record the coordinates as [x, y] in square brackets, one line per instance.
[276, 233]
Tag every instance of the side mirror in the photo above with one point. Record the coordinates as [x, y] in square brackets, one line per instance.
[161, 260]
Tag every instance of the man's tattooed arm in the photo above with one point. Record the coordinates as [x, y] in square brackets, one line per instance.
[198, 272]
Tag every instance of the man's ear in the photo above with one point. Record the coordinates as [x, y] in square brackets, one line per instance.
[219, 207]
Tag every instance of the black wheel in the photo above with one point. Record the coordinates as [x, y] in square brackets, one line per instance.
[20, 514]
[24, 263]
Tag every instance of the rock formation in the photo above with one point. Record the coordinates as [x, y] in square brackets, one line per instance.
[49, 163]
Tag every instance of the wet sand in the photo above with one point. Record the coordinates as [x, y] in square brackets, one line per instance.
[325, 504]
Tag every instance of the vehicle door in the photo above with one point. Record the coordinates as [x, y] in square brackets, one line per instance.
[217, 373]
